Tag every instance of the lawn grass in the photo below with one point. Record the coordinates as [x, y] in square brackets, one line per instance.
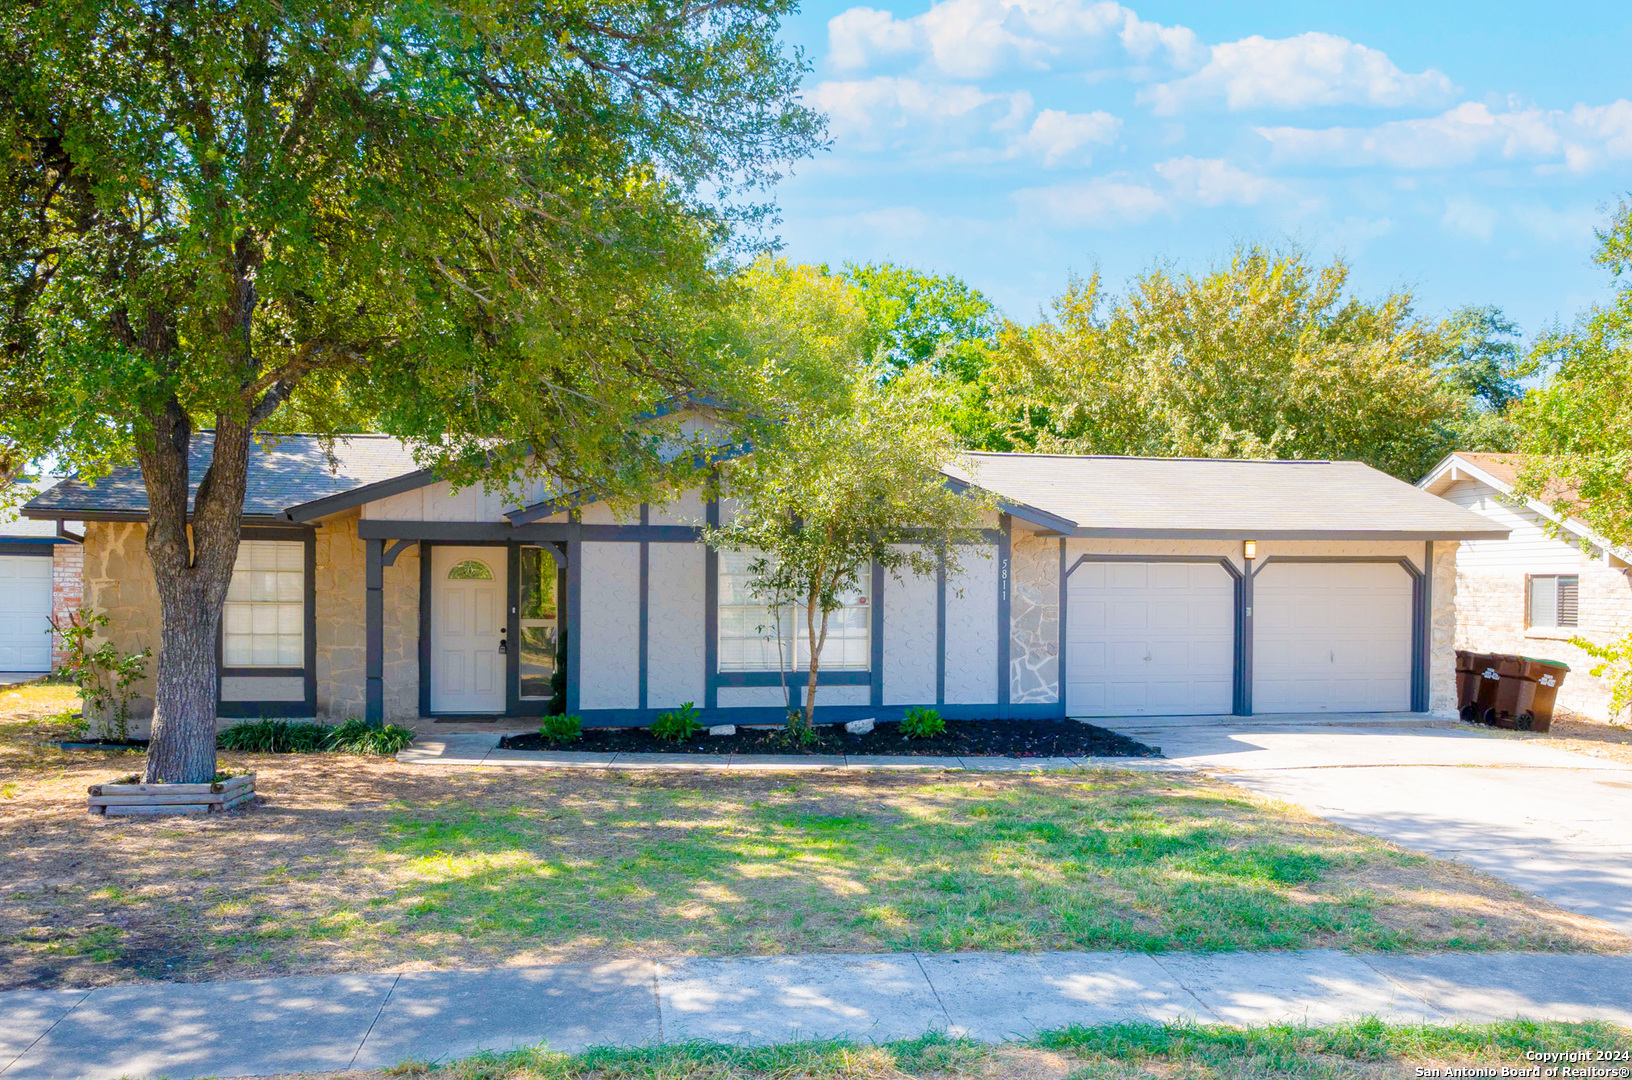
[1362, 1050]
[351, 864]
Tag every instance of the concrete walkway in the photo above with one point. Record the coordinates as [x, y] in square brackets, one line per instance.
[1554, 823]
[482, 748]
[183, 1030]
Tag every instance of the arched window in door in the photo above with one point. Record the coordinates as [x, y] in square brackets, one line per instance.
[470, 570]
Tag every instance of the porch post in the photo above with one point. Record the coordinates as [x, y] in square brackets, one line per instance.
[373, 632]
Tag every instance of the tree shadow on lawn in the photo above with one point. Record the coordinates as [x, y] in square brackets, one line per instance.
[351, 865]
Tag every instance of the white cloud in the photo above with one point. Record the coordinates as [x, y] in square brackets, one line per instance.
[1580, 139]
[1060, 137]
[873, 114]
[1470, 218]
[969, 39]
[1300, 72]
[1099, 204]
[1215, 182]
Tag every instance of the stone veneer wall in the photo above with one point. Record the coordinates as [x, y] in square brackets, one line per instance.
[340, 594]
[1442, 631]
[401, 636]
[118, 582]
[67, 593]
[1034, 619]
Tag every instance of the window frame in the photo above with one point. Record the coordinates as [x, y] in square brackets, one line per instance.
[1531, 581]
[306, 670]
[794, 661]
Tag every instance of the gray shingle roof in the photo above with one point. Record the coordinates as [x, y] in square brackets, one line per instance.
[1224, 498]
[13, 526]
[284, 471]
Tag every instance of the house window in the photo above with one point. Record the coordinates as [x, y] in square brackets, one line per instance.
[748, 626]
[540, 625]
[264, 619]
[1554, 600]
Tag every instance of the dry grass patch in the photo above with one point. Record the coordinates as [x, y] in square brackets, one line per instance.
[352, 864]
[1572, 731]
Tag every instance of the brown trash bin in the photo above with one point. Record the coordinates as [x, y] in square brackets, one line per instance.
[1467, 682]
[1548, 676]
[1515, 690]
[1486, 679]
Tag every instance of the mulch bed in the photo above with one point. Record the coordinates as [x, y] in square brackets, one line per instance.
[983, 738]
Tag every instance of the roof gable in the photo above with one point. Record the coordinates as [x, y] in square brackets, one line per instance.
[1501, 472]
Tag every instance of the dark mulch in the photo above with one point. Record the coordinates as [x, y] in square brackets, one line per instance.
[984, 738]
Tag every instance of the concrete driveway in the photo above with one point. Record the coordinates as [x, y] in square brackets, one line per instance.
[1554, 823]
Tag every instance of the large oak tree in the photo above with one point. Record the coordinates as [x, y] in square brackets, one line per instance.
[488, 226]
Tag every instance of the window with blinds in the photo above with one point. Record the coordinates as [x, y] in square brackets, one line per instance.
[1555, 600]
[264, 620]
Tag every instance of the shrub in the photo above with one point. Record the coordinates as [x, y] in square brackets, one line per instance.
[274, 737]
[677, 726]
[1615, 666]
[798, 731]
[305, 737]
[357, 737]
[921, 723]
[562, 728]
[105, 676]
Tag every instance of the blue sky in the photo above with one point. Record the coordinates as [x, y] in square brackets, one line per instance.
[1463, 151]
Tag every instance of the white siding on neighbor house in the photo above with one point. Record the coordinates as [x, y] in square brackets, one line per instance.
[971, 629]
[675, 618]
[1527, 550]
[909, 638]
[609, 626]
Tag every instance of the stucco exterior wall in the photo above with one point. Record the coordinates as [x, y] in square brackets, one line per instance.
[910, 621]
[675, 618]
[609, 630]
[1034, 618]
[971, 629]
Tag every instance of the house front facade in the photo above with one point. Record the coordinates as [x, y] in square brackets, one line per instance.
[1101, 587]
[1550, 580]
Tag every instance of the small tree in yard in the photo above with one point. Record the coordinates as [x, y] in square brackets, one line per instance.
[842, 478]
[489, 228]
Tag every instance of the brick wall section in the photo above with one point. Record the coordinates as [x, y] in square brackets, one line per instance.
[1491, 619]
[67, 593]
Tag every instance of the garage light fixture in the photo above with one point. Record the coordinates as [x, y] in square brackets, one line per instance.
[1249, 549]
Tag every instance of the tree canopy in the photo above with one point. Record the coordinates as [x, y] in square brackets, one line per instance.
[491, 228]
[1266, 355]
[1577, 430]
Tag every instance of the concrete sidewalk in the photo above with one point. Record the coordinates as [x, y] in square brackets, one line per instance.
[482, 748]
[183, 1030]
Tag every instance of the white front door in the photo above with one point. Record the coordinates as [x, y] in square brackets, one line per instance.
[467, 623]
[25, 613]
[1149, 639]
[1331, 637]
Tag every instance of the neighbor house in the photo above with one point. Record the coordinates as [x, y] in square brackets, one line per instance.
[1104, 586]
[39, 582]
[1550, 580]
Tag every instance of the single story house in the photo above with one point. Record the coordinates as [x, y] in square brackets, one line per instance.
[1104, 586]
[40, 564]
[1550, 580]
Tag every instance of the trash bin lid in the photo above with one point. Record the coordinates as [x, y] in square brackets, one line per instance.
[1547, 663]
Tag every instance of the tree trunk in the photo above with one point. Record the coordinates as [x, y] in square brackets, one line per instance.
[816, 645]
[192, 569]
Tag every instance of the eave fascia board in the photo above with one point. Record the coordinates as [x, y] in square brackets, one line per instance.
[347, 500]
[1050, 524]
[1288, 534]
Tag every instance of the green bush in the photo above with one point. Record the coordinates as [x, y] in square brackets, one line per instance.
[921, 723]
[677, 726]
[358, 737]
[562, 728]
[306, 737]
[274, 737]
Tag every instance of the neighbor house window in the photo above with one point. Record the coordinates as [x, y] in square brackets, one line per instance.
[264, 620]
[1554, 600]
[748, 626]
[540, 624]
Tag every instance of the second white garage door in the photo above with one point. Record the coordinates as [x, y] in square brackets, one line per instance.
[1331, 637]
[1149, 639]
[25, 613]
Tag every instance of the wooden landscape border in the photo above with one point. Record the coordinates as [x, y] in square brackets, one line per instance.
[137, 800]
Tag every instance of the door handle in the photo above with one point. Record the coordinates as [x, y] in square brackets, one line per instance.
[504, 646]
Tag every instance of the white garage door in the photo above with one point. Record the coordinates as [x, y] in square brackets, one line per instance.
[1331, 637]
[25, 613]
[1149, 639]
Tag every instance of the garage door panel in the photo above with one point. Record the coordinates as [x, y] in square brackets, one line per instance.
[1166, 648]
[1331, 637]
[25, 613]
